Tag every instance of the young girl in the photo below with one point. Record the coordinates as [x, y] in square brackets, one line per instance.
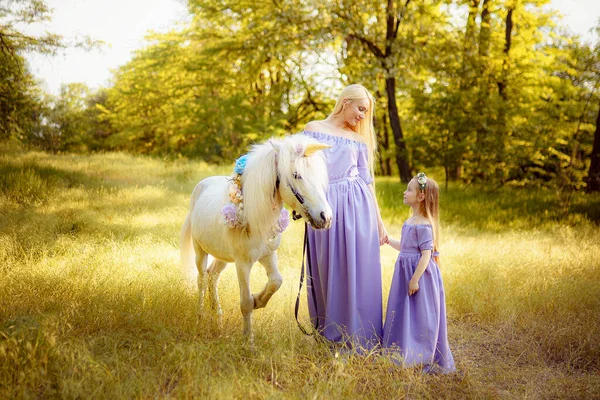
[415, 325]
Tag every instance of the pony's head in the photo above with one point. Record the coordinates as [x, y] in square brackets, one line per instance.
[303, 178]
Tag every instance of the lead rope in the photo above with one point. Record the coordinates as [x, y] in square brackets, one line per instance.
[308, 283]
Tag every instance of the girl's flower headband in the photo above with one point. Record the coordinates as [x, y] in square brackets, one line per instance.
[422, 180]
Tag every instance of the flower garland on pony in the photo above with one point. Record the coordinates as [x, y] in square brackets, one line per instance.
[233, 212]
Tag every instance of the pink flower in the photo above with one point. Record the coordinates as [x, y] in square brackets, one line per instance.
[230, 214]
[283, 221]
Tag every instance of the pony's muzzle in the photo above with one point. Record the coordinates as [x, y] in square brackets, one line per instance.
[323, 221]
[326, 218]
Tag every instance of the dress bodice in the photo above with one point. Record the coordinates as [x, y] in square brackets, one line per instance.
[346, 158]
[416, 238]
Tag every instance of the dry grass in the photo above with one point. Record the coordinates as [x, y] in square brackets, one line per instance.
[92, 304]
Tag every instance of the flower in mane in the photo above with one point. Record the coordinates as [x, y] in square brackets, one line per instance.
[240, 164]
[232, 212]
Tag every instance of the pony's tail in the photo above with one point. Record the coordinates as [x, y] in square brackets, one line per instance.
[186, 249]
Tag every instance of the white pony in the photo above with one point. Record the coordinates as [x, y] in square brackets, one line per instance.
[291, 171]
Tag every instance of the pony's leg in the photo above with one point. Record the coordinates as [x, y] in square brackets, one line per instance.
[201, 259]
[246, 300]
[214, 272]
[270, 263]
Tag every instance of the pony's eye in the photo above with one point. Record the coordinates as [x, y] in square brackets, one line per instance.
[296, 176]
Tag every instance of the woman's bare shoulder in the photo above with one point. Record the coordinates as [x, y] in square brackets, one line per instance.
[323, 127]
[314, 126]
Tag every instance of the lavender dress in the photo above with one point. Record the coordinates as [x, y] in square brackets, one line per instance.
[344, 294]
[415, 326]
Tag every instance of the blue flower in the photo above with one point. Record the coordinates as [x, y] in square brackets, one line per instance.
[240, 164]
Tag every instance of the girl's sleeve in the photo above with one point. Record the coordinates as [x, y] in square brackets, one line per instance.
[363, 165]
[425, 237]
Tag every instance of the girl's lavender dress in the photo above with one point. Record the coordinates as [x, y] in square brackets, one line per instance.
[344, 259]
[415, 326]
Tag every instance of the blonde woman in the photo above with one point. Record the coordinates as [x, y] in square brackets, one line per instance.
[344, 294]
[415, 331]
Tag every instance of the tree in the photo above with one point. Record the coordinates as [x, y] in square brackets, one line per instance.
[593, 68]
[19, 105]
[21, 102]
[239, 73]
[593, 178]
[386, 47]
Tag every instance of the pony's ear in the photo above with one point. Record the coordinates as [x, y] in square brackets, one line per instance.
[312, 148]
[276, 146]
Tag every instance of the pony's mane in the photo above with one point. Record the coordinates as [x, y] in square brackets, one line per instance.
[258, 185]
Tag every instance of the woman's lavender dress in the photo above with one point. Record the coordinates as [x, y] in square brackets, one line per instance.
[344, 259]
[415, 326]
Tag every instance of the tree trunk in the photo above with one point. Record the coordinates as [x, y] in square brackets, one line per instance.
[393, 20]
[392, 24]
[383, 139]
[501, 171]
[593, 178]
[507, 42]
[387, 163]
[401, 153]
[486, 30]
[454, 168]
[470, 43]
[482, 113]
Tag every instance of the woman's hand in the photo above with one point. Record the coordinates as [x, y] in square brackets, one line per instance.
[413, 287]
[383, 235]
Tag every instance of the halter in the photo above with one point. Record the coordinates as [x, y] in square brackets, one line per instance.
[295, 215]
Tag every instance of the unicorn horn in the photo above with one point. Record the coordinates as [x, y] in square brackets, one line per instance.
[314, 147]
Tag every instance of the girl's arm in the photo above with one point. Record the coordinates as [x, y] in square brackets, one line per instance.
[383, 235]
[395, 243]
[413, 285]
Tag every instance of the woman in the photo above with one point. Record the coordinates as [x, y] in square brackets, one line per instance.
[344, 295]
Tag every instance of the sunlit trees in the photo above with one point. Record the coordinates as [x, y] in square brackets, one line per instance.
[19, 103]
[492, 91]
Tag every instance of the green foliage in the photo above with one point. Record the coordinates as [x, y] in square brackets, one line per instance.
[489, 90]
[26, 115]
[229, 79]
[19, 96]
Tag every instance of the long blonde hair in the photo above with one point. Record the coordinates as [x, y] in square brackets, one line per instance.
[430, 209]
[365, 127]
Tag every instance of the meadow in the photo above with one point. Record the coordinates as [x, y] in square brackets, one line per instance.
[93, 305]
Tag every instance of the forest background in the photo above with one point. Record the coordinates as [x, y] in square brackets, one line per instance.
[490, 91]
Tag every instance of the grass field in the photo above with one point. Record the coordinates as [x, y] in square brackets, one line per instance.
[92, 304]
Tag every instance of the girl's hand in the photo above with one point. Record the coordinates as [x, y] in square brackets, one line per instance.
[383, 235]
[413, 287]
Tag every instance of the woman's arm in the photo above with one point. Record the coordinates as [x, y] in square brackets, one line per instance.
[413, 285]
[383, 235]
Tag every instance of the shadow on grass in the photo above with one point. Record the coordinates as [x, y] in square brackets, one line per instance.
[30, 183]
[37, 209]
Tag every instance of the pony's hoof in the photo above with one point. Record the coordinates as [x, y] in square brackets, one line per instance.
[257, 302]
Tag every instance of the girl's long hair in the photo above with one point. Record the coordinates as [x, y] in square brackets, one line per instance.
[430, 209]
[365, 127]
